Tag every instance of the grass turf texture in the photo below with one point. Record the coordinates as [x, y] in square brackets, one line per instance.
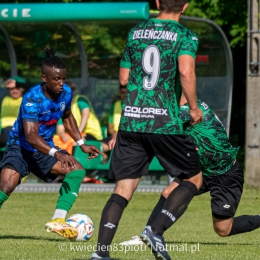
[24, 215]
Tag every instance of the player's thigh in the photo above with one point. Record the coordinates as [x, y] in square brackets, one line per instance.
[177, 154]
[59, 169]
[130, 159]
[46, 167]
[15, 160]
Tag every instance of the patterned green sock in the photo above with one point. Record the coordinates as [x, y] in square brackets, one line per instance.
[3, 198]
[69, 189]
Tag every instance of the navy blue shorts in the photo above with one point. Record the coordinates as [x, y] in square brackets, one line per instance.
[25, 161]
[133, 153]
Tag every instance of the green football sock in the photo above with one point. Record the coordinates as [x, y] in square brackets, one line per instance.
[3, 198]
[69, 189]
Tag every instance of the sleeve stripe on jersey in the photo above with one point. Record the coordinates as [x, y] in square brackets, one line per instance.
[193, 55]
[30, 120]
[125, 64]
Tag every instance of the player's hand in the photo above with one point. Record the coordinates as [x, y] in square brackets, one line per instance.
[67, 160]
[196, 116]
[112, 143]
[91, 150]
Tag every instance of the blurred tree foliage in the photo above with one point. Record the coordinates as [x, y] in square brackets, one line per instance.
[231, 16]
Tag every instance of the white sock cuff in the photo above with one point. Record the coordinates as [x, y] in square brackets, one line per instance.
[59, 213]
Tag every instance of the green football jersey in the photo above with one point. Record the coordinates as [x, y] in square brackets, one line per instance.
[216, 154]
[151, 53]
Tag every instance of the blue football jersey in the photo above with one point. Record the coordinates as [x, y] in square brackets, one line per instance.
[38, 108]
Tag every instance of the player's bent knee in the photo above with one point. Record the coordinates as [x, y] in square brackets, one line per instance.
[78, 167]
[222, 232]
[167, 191]
[198, 180]
[126, 188]
[222, 226]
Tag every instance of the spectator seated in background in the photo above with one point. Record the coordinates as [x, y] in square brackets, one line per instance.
[10, 106]
[113, 120]
[86, 119]
[21, 83]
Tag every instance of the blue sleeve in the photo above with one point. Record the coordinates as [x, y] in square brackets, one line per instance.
[70, 99]
[30, 109]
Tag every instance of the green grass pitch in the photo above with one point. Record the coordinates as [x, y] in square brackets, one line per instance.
[24, 215]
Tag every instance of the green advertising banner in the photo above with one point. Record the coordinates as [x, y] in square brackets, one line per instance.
[44, 12]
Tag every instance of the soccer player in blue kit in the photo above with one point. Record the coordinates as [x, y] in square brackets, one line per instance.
[30, 147]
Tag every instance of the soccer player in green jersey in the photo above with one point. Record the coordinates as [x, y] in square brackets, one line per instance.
[223, 176]
[158, 62]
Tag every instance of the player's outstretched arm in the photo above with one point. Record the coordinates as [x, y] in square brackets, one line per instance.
[33, 138]
[72, 129]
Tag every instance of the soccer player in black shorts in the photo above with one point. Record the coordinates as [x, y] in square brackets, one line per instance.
[30, 147]
[222, 174]
[157, 64]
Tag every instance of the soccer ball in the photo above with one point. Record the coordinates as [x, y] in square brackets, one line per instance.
[83, 224]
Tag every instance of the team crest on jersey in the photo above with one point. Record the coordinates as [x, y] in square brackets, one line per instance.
[62, 106]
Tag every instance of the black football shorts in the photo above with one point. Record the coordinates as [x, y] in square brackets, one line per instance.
[134, 151]
[25, 161]
[225, 190]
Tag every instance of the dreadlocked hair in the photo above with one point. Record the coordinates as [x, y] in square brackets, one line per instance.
[51, 60]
